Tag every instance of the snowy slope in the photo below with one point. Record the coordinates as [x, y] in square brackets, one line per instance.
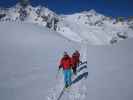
[29, 56]
[110, 71]
[88, 26]
[95, 28]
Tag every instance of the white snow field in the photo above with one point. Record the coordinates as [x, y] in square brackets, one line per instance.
[29, 57]
[110, 71]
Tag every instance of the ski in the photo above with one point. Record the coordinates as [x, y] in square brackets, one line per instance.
[62, 92]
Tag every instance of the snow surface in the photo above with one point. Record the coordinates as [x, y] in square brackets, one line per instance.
[87, 26]
[110, 71]
[29, 57]
[94, 28]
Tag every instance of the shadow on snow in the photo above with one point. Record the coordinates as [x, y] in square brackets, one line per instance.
[81, 68]
[82, 63]
[81, 76]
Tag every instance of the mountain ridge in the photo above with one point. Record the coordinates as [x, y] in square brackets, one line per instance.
[89, 26]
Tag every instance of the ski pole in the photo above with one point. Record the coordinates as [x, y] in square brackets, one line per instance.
[57, 73]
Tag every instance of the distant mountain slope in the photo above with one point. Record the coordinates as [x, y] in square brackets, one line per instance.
[87, 26]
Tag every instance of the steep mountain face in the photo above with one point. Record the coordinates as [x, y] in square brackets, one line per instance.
[39, 15]
[96, 28]
[88, 26]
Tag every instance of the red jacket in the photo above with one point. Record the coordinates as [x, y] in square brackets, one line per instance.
[74, 59]
[65, 62]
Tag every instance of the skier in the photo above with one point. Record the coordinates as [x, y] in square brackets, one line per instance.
[78, 57]
[75, 61]
[66, 64]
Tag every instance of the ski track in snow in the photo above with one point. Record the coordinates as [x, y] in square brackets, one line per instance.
[78, 90]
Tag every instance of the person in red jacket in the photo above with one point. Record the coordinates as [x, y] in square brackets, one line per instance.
[66, 64]
[75, 61]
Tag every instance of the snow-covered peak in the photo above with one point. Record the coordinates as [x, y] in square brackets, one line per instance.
[39, 15]
[94, 28]
[89, 26]
[89, 12]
